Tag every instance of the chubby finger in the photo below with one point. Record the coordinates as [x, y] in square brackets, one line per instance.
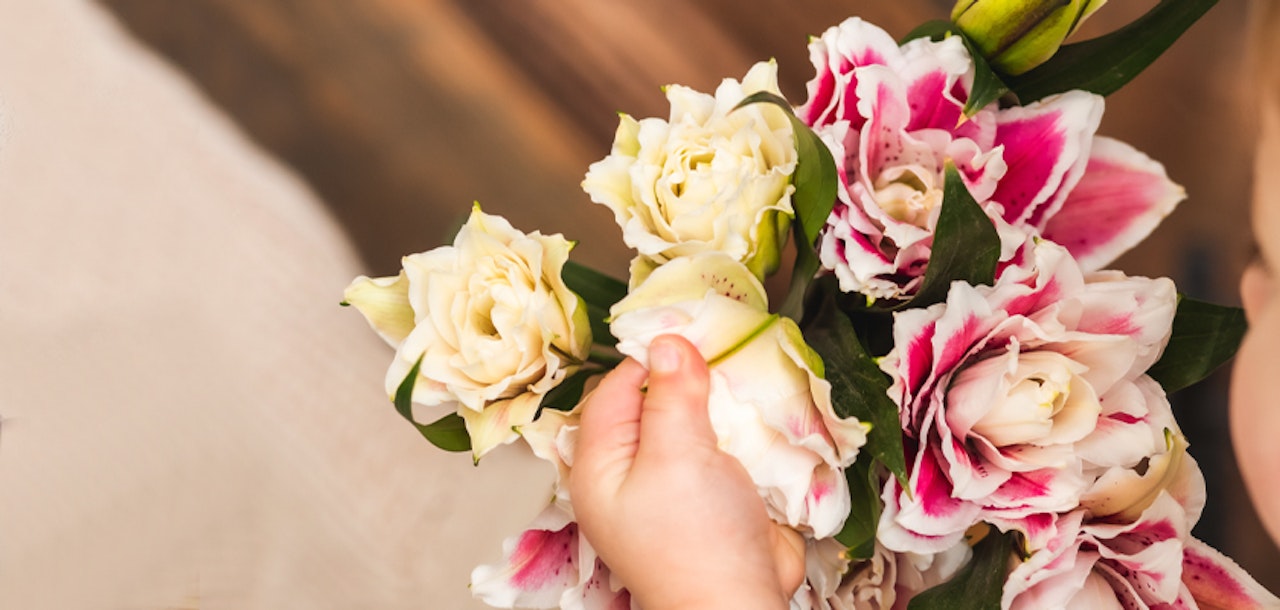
[788, 553]
[609, 430]
[675, 407]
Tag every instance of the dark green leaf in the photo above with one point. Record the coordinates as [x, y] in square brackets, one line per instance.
[1106, 63]
[1205, 336]
[448, 432]
[966, 246]
[859, 532]
[978, 585]
[987, 86]
[594, 287]
[858, 387]
[802, 274]
[565, 397]
[600, 333]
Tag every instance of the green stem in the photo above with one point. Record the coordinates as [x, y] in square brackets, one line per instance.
[605, 359]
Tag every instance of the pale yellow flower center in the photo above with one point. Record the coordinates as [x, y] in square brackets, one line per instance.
[908, 193]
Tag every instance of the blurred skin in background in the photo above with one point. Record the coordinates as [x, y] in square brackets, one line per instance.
[1255, 421]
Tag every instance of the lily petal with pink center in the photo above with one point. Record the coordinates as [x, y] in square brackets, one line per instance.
[1120, 199]
[538, 566]
[1013, 396]
[892, 117]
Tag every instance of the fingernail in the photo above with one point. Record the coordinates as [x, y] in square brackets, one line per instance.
[664, 356]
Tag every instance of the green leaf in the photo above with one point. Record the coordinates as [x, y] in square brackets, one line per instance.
[966, 246]
[448, 432]
[600, 333]
[565, 397]
[978, 585]
[1205, 336]
[816, 182]
[1106, 63]
[802, 274]
[593, 286]
[859, 532]
[599, 292]
[858, 387]
[987, 85]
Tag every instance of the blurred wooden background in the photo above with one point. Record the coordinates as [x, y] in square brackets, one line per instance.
[400, 113]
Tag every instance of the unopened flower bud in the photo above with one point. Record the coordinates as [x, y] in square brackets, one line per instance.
[1018, 35]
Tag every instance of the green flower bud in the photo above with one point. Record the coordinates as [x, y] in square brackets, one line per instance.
[1018, 35]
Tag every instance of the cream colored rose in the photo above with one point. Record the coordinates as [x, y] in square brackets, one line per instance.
[490, 318]
[710, 178]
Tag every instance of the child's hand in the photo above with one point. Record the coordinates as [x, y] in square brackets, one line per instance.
[679, 521]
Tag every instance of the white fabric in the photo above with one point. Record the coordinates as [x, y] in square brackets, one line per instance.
[188, 418]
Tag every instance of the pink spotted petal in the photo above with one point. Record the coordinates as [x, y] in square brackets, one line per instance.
[599, 592]
[1120, 199]
[1215, 581]
[1046, 148]
[537, 567]
[938, 74]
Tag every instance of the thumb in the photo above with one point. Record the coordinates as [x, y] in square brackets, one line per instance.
[675, 407]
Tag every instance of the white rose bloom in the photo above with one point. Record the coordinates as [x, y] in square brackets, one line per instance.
[491, 319]
[710, 178]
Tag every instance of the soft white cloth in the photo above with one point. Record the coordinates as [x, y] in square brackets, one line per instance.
[189, 419]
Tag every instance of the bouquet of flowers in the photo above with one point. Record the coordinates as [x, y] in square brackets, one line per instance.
[954, 403]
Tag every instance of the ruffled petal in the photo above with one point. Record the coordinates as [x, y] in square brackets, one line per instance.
[836, 57]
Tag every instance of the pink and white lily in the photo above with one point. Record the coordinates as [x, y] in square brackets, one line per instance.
[1016, 398]
[1148, 562]
[893, 116]
[550, 565]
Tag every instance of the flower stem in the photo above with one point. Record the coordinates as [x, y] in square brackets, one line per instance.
[607, 359]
